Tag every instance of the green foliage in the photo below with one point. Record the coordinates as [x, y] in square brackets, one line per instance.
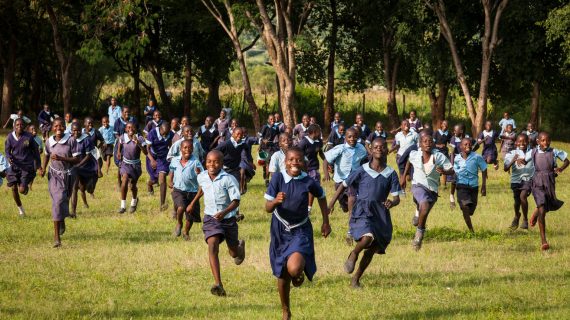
[558, 29]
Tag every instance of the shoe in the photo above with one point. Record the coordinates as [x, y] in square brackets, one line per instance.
[524, 225]
[415, 220]
[239, 217]
[349, 264]
[515, 224]
[241, 255]
[417, 242]
[122, 210]
[218, 291]
[177, 231]
[132, 209]
[22, 215]
[62, 228]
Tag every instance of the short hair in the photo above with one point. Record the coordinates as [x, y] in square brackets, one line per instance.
[313, 128]
[133, 124]
[351, 129]
[522, 135]
[379, 140]
[295, 149]
[58, 120]
[543, 134]
[215, 153]
[186, 142]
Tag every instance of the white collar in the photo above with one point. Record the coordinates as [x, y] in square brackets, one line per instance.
[338, 134]
[288, 178]
[348, 146]
[442, 132]
[235, 143]
[303, 127]
[83, 136]
[91, 132]
[156, 124]
[158, 135]
[374, 174]
[487, 133]
[14, 135]
[204, 129]
[311, 141]
[63, 140]
[127, 139]
[378, 133]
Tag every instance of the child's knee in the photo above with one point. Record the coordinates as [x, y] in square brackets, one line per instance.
[23, 190]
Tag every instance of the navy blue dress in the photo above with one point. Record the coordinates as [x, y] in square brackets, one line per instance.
[369, 215]
[291, 228]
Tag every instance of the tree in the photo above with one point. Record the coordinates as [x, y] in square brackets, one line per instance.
[492, 11]
[558, 29]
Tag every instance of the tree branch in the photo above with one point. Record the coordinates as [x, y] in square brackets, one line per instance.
[249, 46]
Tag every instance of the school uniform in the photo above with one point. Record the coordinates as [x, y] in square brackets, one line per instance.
[442, 137]
[425, 180]
[232, 151]
[60, 175]
[4, 165]
[45, 118]
[504, 123]
[185, 180]
[207, 136]
[334, 125]
[415, 125]
[364, 132]
[370, 217]
[467, 179]
[376, 134]
[544, 178]
[488, 139]
[24, 156]
[532, 136]
[222, 125]
[114, 114]
[149, 112]
[334, 139]
[405, 141]
[40, 144]
[280, 126]
[174, 150]
[345, 159]
[131, 157]
[246, 162]
[96, 138]
[311, 149]
[109, 139]
[455, 144]
[277, 162]
[151, 125]
[119, 130]
[269, 133]
[521, 176]
[291, 229]
[218, 194]
[86, 173]
[15, 117]
[159, 146]
[507, 144]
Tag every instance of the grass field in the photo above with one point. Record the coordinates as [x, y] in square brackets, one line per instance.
[130, 266]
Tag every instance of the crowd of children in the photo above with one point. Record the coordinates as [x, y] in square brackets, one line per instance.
[216, 163]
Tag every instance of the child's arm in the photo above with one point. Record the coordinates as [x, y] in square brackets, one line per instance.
[142, 146]
[403, 179]
[119, 150]
[153, 163]
[325, 227]
[171, 179]
[199, 194]
[335, 197]
[509, 163]
[392, 203]
[564, 166]
[44, 165]
[233, 205]
[6, 124]
[326, 170]
[271, 204]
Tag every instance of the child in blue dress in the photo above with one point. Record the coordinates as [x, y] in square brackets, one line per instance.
[129, 148]
[487, 138]
[85, 170]
[312, 147]
[158, 142]
[370, 222]
[521, 176]
[108, 145]
[292, 252]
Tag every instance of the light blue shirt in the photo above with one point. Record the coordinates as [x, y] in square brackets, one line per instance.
[405, 140]
[520, 173]
[345, 159]
[429, 178]
[219, 193]
[562, 155]
[4, 165]
[114, 114]
[504, 123]
[277, 162]
[174, 150]
[467, 169]
[185, 177]
[108, 134]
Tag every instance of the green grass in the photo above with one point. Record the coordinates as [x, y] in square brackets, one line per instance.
[129, 266]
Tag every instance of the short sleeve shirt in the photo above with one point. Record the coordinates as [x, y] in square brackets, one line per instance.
[467, 169]
[219, 193]
[429, 180]
[345, 159]
[185, 177]
[520, 173]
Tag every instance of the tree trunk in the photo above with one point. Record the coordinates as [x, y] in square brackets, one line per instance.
[329, 106]
[137, 94]
[287, 99]
[214, 105]
[437, 103]
[188, 86]
[247, 87]
[8, 84]
[164, 98]
[535, 103]
[36, 80]
[390, 78]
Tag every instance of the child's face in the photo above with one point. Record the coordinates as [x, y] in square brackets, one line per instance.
[379, 127]
[522, 143]
[405, 126]
[20, 113]
[113, 102]
[126, 113]
[130, 129]
[444, 125]
[222, 114]
[237, 135]
[457, 131]
[271, 120]
[67, 117]
[234, 124]
[315, 135]
[88, 124]
[285, 142]
[530, 127]
[277, 117]
[337, 117]
[214, 163]
[150, 103]
[105, 122]
[426, 143]
[164, 130]
[19, 127]
[58, 128]
[313, 120]
[186, 149]
[305, 120]
[208, 122]
[46, 108]
[184, 122]
[156, 116]
[466, 146]
[543, 141]
[294, 163]
[509, 128]
[175, 125]
[350, 138]
[75, 131]
[488, 125]
[341, 130]
[187, 133]
[359, 120]
[505, 115]
[32, 130]
[379, 151]
[413, 115]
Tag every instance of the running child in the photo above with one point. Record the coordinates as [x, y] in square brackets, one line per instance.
[233, 150]
[187, 134]
[505, 122]
[312, 148]
[175, 126]
[15, 116]
[508, 140]
[23, 155]
[246, 165]
[544, 182]
[278, 123]
[233, 124]
[129, 148]
[208, 135]
[455, 144]
[488, 138]
[183, 180]
[277, 162]
[34, 132]
[222, 124]
[221, 201]
[442, 138]
[300, 130]
[336, 137]
[428, 165]
[364, 130]
[532, 134]
[59, 149]
[109, 142]
[158, 142]
[68, 121]
[85, 171]
[45, 118]
[337, 120]
[292, 249]
[114, 111]
[155, 122]
[467, 166]
[521, 178]
[370, 223]
[267, 139]
[97, 141]
[149, 111]
[404, 140]
[118, 131]
[415, 122]
[379, 132]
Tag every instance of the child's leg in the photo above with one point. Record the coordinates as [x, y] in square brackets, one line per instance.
[294, 272]
[467, 212]
[83, 196]
[524, 205]
[362, 244]
[108, 162]
[542, 227]
[242, 180]
[179, 216]
[75, 188]
[452, 196]
[134, 194]
[187, 227]
[162, 183]
[124, 186]
[56, 238]
[213, 251]
[364, 263]
[284, 287]
[517, 207]
[16, 196]
[424, 209]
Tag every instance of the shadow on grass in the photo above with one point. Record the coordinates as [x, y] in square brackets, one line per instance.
[447, 234]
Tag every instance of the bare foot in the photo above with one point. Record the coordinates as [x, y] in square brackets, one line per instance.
[286, 315]
[355, 284]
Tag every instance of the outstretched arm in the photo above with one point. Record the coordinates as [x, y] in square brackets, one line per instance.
[335, 197]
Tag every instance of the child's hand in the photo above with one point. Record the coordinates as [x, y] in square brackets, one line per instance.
[484, 191]
[281, 196]
[330, 169]
[153, 164]
[403, 182]
[219, 216]
[388, 204]
[41, 171]
[119, 156]
[439, 170]
[198, 170]
[189, 208]
[557, 170]
[325, 230]
[171, 184]
[55, 157]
